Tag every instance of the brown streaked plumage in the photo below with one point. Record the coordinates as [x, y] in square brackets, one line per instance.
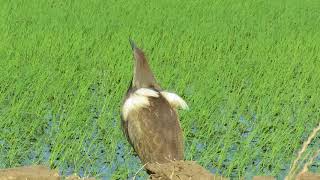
[148, 118]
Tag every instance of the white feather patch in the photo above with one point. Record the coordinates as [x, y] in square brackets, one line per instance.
[137, 100]
[174, 100]
[147, 92]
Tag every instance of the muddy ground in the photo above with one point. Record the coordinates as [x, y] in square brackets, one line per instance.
[170, 171]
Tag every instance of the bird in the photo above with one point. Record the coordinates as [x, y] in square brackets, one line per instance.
[149, 115]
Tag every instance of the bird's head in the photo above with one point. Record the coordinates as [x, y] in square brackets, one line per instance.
[142, 75]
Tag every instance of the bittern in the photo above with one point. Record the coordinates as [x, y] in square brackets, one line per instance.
[149, 116]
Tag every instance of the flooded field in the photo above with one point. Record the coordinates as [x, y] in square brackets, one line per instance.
[249, 71]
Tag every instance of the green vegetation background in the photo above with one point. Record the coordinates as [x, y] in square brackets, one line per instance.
[249, 70]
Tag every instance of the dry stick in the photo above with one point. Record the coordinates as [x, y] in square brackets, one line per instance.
[304, 147]
[171, 176]
[302, 160]
[305, 167]
[306, 144]
[134, 177]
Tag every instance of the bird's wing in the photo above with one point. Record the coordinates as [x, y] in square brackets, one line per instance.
[155, 132]
[124, 127]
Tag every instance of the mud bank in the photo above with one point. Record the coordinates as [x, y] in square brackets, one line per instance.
[187, 170]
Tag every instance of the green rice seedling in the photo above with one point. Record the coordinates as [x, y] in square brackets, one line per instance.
[249, 71]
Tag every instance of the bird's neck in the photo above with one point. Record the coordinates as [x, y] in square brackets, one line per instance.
[143, 76]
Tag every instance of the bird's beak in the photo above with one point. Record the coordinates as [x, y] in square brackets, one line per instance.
[133, 45]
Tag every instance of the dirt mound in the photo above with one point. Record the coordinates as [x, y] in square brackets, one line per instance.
[308, 176]
[180, 170]
[36, 172]
[29, 172]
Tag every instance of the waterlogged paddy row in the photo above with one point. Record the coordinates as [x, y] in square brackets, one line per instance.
[248, 70]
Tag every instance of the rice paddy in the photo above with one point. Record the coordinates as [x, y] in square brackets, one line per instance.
[249, 71]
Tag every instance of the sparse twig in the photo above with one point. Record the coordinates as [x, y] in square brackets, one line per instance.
[171, 176]
[134, 177]
[305, 167]
[303, 149]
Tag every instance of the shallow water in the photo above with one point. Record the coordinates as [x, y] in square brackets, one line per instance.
[104, 170]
